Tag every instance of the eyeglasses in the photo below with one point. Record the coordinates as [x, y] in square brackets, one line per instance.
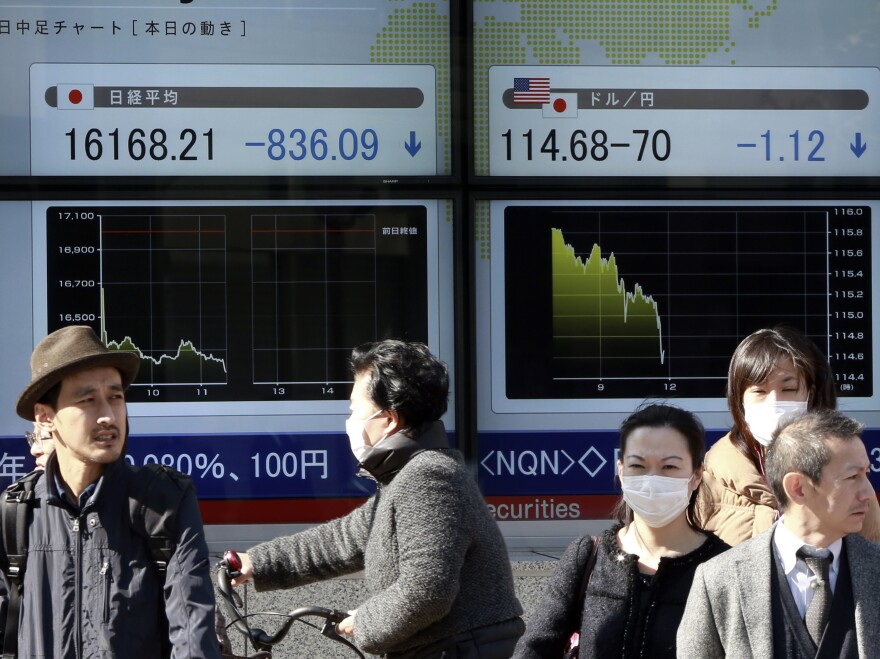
[34, 438]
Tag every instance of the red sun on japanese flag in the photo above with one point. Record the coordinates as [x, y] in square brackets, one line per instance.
[75, 97]
[561, 105]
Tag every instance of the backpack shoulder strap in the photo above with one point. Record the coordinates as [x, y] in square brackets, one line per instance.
[16, 520]
[16, 512]
[154, 495]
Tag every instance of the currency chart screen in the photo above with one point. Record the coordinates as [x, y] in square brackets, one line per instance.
[650, 301]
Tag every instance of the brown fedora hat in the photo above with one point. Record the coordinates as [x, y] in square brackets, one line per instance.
[66, 351]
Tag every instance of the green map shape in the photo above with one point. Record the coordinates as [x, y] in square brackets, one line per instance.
[677, 32]
[419, 34]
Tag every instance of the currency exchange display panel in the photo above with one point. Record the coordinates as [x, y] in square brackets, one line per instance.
[587, 309]
[781, 89]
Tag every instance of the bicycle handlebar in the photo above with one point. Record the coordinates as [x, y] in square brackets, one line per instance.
[229, 568]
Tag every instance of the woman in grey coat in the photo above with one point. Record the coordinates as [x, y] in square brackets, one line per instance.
[433, 557]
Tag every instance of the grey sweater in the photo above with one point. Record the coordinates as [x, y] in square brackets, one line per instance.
[433, 558]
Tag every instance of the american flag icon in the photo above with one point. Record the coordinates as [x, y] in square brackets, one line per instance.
[531, 90]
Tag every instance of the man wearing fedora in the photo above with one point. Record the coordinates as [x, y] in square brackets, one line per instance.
[808, 587]
[91, 586]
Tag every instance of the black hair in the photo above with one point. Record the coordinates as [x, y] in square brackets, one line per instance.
[404, 377]
[662, 415]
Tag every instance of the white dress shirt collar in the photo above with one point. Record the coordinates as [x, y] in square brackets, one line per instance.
[787, 545]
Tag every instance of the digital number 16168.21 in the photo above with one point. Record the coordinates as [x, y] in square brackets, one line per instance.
[137, 144]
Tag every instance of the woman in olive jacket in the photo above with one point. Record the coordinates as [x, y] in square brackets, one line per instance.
[772, 372]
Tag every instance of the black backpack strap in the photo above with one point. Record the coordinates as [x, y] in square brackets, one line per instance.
[154, 495]
[16, 506]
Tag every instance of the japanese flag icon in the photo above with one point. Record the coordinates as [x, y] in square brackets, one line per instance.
[75, 97]
[561, 105]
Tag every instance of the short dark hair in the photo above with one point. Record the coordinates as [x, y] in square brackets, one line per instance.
[752, 362]
[404, 377]
[800, 444]
[663, 415]
[50, 398]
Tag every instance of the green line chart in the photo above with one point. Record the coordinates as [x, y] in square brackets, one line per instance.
[594, 313]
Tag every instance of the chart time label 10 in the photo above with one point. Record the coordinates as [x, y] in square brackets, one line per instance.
[244, 120]
[683, 121]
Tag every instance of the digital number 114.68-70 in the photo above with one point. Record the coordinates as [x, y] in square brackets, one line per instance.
[581, 145]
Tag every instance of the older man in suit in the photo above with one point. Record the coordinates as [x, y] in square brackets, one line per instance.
[809, 587]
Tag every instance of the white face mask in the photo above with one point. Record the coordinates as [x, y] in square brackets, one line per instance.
[762, 418]
[354, 428]
[657, 500]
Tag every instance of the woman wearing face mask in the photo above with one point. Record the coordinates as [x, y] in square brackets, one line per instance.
[773, 372]
[433, 557]
[634, 598]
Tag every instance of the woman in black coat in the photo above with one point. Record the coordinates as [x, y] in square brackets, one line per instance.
[644, 566]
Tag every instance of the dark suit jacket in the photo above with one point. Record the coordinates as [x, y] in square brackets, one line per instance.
[729, 614]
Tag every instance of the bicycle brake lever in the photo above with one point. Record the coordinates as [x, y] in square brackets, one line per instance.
[329, 630]
[333, 618]
[261, 639]
[336, 616]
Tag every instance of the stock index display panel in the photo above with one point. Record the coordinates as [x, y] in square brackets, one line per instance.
[243, 314]
[782, 89]
[208, 185]
[239, 303]
[348, 89]
[241, 307]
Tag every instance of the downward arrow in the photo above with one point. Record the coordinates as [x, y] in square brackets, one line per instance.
[411, 146]
[858, 148]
